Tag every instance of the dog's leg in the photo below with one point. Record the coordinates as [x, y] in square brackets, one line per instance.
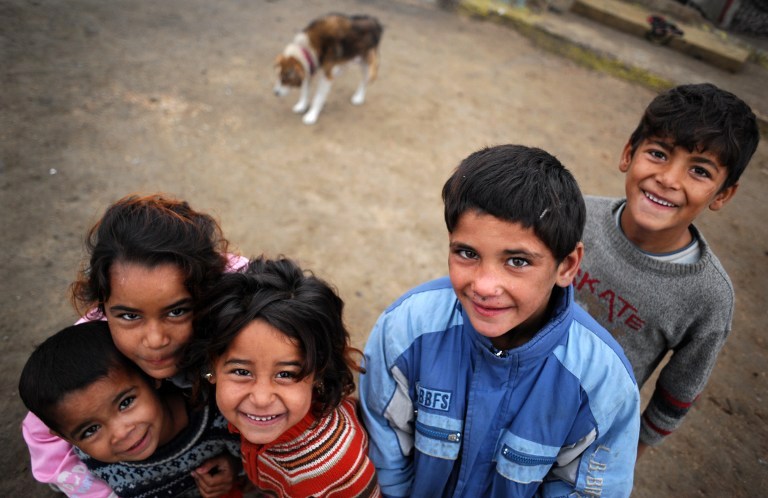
[318, 101]
[369, 64]
[359, 96]
[303, 102]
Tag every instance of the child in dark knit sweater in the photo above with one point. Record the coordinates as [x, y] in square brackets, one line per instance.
[271, 338]
[648, 274]
[141, 441]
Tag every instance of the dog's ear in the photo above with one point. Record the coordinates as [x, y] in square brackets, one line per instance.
[292, 73]
[296, 76]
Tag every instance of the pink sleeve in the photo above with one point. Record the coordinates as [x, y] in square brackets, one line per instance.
[235, 262]
[55, 462]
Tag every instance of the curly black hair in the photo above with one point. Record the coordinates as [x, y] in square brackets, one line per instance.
[302, 306]
[149, 230]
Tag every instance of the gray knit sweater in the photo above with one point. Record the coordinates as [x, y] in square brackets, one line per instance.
[654, 307]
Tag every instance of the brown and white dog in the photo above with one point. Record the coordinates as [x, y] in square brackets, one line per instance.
[323, 47]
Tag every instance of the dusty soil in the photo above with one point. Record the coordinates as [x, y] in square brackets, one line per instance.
[100, 99]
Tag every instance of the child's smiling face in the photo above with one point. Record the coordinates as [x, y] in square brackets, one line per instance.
[256, 383]
[503, 275]
[667, 188]
[118, 418]
[149, 311]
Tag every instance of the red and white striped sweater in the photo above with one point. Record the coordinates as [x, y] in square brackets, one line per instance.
[325, 457]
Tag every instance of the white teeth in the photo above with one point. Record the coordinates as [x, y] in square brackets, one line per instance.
[261, 419]
[659, 201]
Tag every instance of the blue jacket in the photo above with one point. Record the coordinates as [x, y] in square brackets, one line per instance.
[450, 416]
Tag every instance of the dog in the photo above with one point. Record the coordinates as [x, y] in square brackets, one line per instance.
[323, 47]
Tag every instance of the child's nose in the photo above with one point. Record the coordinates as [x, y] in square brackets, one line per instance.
[121, 430]
[671, 176]
[261, 395]
[486, 282]
[155, 335]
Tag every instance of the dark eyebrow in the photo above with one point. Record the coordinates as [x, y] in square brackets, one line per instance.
[699, 159]
[120, 307]
[296, 364]
[74, 434]
[706, 160]
[664, 145]
[460, 245]
[238, 361]
[119, 396]
[512, 253]
[181, 302]
[527, 254]
[289, 363]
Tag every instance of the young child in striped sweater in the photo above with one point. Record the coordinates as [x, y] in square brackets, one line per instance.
[271, 341]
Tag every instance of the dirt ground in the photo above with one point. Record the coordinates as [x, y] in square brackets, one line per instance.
[100, 99]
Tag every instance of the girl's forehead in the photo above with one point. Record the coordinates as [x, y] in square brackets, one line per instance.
[128, 272]
[263, 342]
[126, 265]
[145, 288]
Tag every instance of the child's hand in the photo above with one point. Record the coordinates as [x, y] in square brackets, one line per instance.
[216, 476]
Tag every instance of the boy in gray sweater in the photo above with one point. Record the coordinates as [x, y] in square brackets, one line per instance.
[648, 275]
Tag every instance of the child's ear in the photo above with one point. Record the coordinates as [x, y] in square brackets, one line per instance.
[722, 197]
[569, 266]
[210, 377]
[626, 158]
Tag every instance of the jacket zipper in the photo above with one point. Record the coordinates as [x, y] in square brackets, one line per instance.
[438, 433]
[527, 460]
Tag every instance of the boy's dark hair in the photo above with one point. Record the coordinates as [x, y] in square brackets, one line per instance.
[702, 117]
[523, 185]
[70, 360]
[299, 304]
[150, 230]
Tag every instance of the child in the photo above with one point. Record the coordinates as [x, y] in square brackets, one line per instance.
[648, 274]
[150, 260]
[273, 342]
[140, 441]
[493, 382]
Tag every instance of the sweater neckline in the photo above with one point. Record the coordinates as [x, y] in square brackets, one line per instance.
[640, 259]
[688, 254]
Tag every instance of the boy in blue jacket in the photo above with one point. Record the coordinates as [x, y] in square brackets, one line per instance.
[493, 382]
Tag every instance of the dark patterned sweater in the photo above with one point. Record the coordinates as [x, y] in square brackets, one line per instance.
[167, 473]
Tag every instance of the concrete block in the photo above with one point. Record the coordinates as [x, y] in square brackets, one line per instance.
[696, 42]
